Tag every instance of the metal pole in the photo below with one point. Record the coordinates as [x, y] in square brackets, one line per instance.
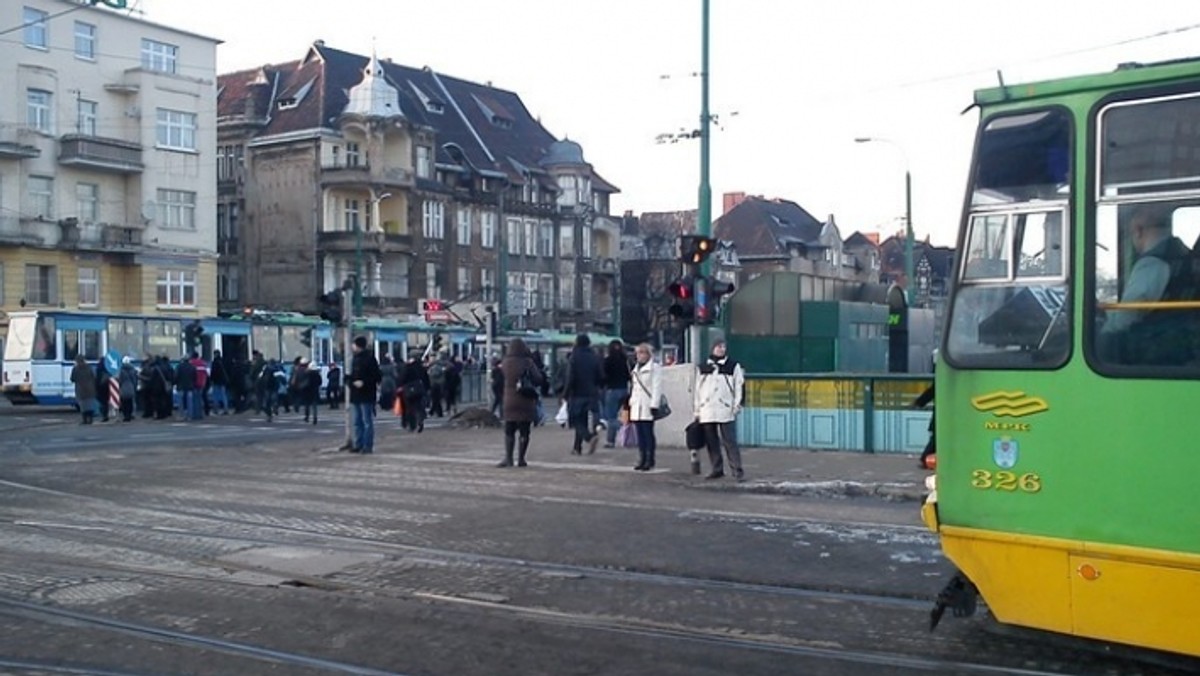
[704, 211]
[347, 342]
[908, 240]
[502, 236]
[358, 261]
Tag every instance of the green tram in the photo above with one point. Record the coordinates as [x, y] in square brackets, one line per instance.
[1068, 464]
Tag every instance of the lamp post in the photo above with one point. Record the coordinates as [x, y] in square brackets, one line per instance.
[704, 210]
[908, 239]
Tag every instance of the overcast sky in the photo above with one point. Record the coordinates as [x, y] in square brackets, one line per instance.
[805, 78]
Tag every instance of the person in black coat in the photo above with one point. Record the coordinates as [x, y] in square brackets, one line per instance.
[616, 388]
[931, 446]
[364, 381]
[582, 393]
[414, 385]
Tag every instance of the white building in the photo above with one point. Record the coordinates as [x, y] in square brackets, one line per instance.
[107, 162]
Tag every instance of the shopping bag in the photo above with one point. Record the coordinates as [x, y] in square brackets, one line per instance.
[562, 417]
[398, 403]
[694, 435]
[627, 436]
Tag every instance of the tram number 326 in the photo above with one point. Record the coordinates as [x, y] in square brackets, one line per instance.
[1006, 481]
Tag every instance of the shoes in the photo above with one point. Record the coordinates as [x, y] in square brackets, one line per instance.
[522, 463]
[592, 443]
[696, 467]
[576, 451]
[505, 463]
[739, 475]
[420, 428]
[640, 468]
[715, 475]
[608, 445]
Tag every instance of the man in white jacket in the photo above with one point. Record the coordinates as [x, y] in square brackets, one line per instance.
[719, 396]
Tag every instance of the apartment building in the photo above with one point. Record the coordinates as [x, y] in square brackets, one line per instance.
[107, 164]
[424, 185]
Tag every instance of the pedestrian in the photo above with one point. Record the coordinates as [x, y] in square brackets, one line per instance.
[644, 401]
[185, 383]
[364, 380]
[267, 388]
[85, 389]
[414, 387]
[719, 395]
[333, 386]
[102, 399]
[309, 389]
[146, 388]
[437, 385]
[582, 393]
[926, 398]
[616, 388]
[164, 379]
[200, 400]
[521, 377]
[497, 382]
[127, 383]
[387, 386]
[218, 379]
[453, 385]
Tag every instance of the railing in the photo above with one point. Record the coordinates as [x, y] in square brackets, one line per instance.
[100, 153]
[846, 412]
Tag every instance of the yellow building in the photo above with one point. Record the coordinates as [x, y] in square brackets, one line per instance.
[107, 163]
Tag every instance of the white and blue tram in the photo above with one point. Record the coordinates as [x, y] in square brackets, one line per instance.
[42, 345]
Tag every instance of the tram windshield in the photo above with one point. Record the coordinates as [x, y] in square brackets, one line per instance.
[20, 338]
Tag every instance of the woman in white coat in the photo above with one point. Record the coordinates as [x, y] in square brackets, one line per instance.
[720, 388]
[644, 397]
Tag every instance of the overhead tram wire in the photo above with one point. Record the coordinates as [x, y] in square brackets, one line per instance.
[25, 24]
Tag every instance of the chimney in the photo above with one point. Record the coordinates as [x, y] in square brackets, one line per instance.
[873, 237]
[831, 221]
[732, 199]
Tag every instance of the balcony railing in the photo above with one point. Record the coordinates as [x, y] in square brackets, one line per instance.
[347, 240]
[104, 154]
[342, 174]
[15, 144]
[122, 236]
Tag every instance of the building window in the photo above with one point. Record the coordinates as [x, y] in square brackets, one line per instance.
[568, 192]
[87, 202]
[85, 40]
[464, 281]
[38, 111]
[41, 284]
[227, 283]
[41, 196]
[176, 129]
[587, 241]
[433, 289]
[353, 154]
[352, 215]
[231, 239]
[566, 293]
[487, 282]
[546, 291]
[434, 220]
[87, 117]
[513, 245]
[424, 162]
[176, 209]
[464, 226]
[487, 230]
[566, 241]
[547, 239]
[159, 56]
[531, 288]
[177, 288]
[36, 33]
[89, 287]
[587, 292]
[531, 239]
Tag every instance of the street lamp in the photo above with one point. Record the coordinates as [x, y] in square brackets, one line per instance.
[908, 240]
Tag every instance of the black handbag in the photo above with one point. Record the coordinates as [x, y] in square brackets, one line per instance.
[526, 387]
[694, 436]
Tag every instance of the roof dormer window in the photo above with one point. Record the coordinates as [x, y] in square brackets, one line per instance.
[293, 100]
[431, 103]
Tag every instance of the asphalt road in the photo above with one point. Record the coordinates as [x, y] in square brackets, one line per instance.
[236, 546]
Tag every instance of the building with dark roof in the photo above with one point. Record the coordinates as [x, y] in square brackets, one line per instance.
[429, 185]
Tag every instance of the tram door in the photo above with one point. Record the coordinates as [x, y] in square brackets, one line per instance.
[234, 348]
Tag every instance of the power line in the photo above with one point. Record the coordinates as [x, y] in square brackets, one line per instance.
[45, 20]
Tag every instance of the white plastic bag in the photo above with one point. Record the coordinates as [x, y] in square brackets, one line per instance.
[562, 417]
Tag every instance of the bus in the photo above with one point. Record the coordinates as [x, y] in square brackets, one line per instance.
[1067, 462]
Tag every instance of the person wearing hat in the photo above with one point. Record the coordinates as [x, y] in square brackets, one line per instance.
[364, 380]
[719, 396]
[127, 381]
[309, 382]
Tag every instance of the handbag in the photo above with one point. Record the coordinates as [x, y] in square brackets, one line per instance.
[562, 417]
[525, 386]
[694, 436]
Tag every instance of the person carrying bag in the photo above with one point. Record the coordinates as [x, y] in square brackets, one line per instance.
[646, 404]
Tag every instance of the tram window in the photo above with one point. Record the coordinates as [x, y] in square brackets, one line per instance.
[163, 337]
[987, 250]
[291, 343]
[70, 344]
[1040, 245]
[1146, 273]
[45, 345]
[125, 337]
[89, 340]
[266, 340]
[1150, 146]
[1022, 158]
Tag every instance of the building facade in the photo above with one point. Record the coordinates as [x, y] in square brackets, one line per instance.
[417, 184]
[107, 171]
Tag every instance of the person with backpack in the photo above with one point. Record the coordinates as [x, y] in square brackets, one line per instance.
[414, 387]
[127, 383]
[521, 378]
[437, 385]
[582, 393]
[266, 388]
[309, 392]
[185, 383]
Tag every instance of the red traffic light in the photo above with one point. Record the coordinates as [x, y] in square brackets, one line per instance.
[432, 305]
[680, 288]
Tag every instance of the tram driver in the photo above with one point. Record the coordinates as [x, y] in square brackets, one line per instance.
[1162, 271]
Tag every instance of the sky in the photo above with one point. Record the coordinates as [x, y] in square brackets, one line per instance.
[792, 82]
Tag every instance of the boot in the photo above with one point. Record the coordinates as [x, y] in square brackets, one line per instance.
[508, 452]
[524, 446]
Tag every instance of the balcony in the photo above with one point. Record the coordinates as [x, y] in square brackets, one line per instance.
[348, 175]
[17, 230]
[15, 144]
[373, 241]
[605, 266]
[121, 236]
[103, 154]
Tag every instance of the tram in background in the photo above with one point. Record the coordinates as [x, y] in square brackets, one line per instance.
[1067, 463]
[42, 344]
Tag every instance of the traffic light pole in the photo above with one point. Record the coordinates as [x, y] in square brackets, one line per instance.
[704, 212]
[348, 295]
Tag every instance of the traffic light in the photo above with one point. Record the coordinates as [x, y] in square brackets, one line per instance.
[432, 305]
[439, 342]
[306, 337]
[192, 334]
[708, 301]
[331, 306]
[695, 249]
[684, 305]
